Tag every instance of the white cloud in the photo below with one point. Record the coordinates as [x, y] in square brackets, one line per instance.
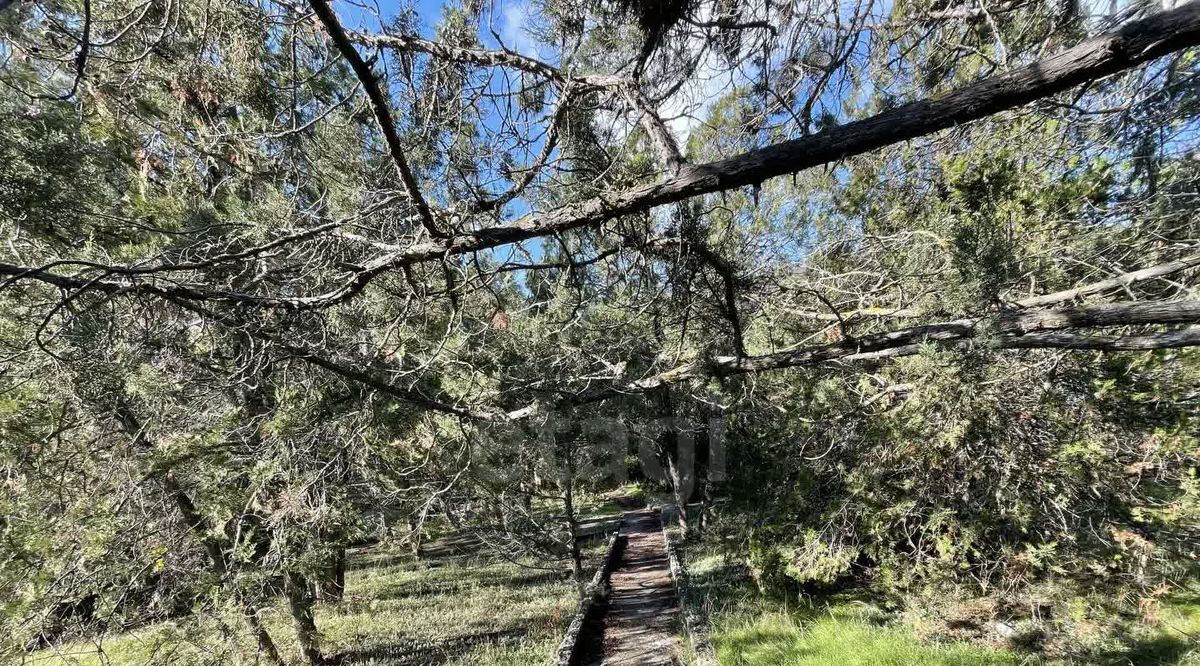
[514, 16]
[688, 108]
[1104, 15]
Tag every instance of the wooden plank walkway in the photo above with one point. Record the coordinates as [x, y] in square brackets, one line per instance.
[639, 620]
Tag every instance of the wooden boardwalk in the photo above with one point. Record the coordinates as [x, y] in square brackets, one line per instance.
[639, 621]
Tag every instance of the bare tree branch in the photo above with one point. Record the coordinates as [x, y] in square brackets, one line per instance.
[1116, 282]
[1131, 45]
[1009, 328]
[383, 114]
[1123, 280]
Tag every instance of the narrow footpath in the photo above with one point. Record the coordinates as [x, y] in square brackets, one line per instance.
[638, 621]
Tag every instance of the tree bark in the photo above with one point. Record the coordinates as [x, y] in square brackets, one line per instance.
[300, 603]
[572, 522]
[381, 109]
[266, 644]
[415, 532]
[331, 585]
[213, 545]
[1014, 330]
[678, 450]
[337, 585]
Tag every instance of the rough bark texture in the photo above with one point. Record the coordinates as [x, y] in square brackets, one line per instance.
[333, 587]
[572, 524]
[1131, 45]
[300, 603]
[1116, 282]
[266, 646]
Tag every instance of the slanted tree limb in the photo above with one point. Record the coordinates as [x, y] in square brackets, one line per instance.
[652, 123]
[1115, 282]
[1126, 279]
[383, 114]
[1133, 44]
[481, 57]
[1187, 337]
[1061, 328]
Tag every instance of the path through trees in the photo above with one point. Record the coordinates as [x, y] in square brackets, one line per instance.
[638, 622]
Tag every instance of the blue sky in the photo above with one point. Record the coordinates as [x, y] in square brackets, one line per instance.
[506, 16]
[503, 17]
[353, 13]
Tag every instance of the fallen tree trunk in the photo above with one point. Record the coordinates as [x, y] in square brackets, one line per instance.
[1059, 328]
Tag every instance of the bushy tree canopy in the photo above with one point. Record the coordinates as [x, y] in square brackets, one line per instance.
[279, 277]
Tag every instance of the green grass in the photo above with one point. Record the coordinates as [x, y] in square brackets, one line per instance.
[836, 630]
[591, 505]
[467, 613]
[848, 629]
[442, 610]
[184, 642]
[448, 608]
[1174, 639]
[1181, 616]
[841, 638]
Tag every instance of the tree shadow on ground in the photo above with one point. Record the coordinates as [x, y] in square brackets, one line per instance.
[1165, 644]
[450, 549]
[468, 580]
[367, 560]
[1155, 651]
[764, 645]
[1163, 650]
[769, 645]
[732, 579]
[408, 652]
